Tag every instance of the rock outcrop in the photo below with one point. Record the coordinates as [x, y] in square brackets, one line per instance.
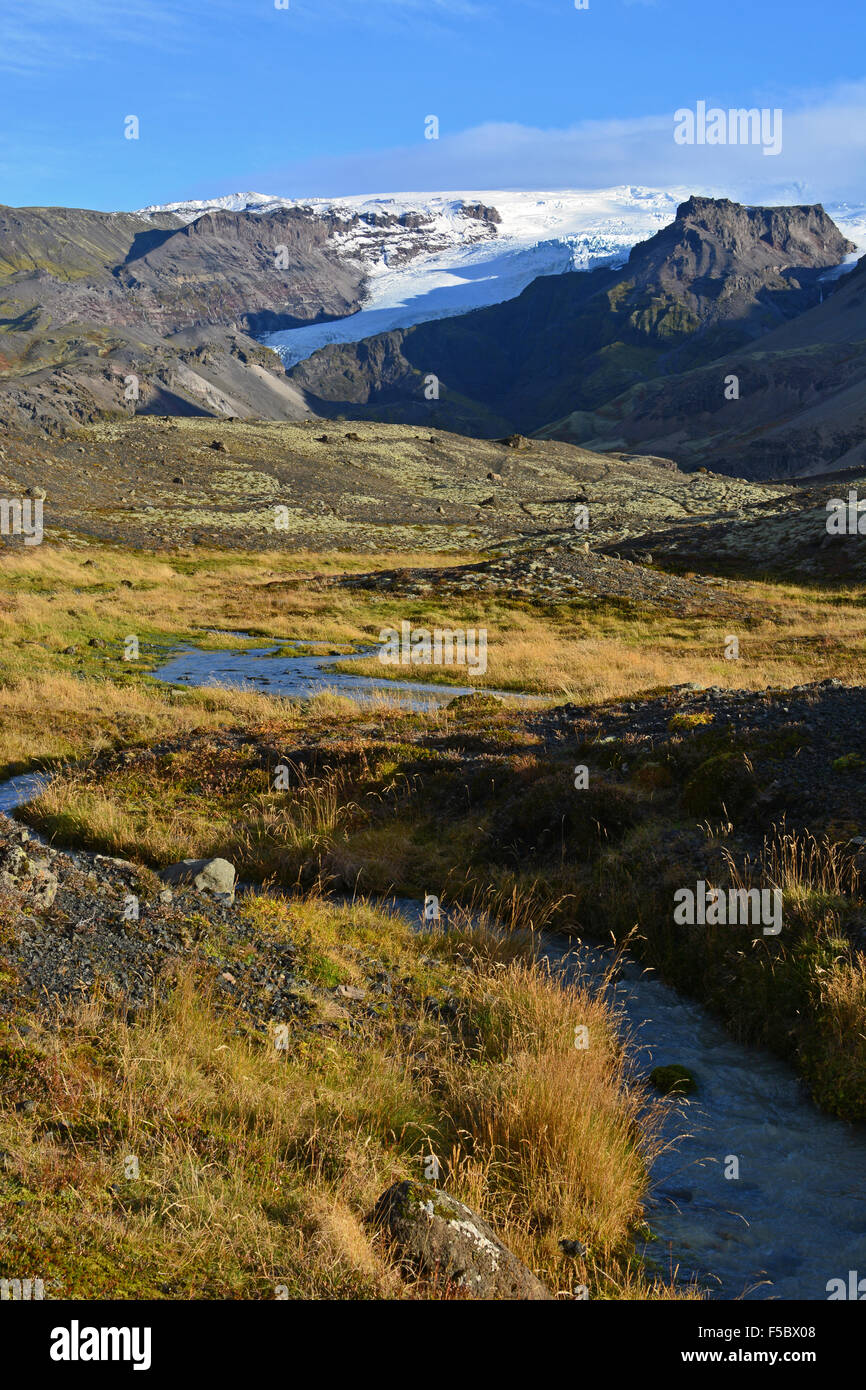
[714, 282]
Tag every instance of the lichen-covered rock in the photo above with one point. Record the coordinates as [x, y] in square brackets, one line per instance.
[215, 876]
[43, 887]
[443, 1239]
[18, 872]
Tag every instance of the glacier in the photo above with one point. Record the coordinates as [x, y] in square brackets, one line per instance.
[467, 263]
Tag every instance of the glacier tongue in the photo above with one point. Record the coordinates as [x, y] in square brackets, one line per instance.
[540, 233]
[453, 262]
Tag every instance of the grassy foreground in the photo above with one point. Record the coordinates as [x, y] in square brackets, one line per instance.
[65, 612]
[257, 1168]
[467, 802]
[185, 1155]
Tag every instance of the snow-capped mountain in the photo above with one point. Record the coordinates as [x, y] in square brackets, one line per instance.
[433, 255]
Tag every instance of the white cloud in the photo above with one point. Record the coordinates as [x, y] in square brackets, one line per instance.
[54, 33]
[823, 156]
[58, 32]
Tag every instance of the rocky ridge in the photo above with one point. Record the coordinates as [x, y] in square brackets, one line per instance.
[715, 280]
[168, 482]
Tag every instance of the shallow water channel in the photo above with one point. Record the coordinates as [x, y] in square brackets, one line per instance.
[275, 670]
[796, 1215]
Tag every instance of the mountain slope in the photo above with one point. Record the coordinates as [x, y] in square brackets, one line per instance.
[89, 300]
[172, 311]
[426, 259]
[801, 406]
[720, 276]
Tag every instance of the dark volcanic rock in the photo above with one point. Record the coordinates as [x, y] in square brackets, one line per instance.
[78, 921]
[553, 573]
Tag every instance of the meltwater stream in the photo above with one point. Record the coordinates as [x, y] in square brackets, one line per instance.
[274, 670]
[17, 791]
[795, 1217]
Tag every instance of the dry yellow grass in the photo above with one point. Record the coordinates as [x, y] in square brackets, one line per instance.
[591, 655]
[257, 1173]
[56, 715]
[256, 1168]
[591, 652]
[541, 1121]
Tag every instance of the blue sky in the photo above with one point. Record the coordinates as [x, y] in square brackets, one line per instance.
[329, 97]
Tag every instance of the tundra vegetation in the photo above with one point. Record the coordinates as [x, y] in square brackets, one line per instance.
[258, 1168]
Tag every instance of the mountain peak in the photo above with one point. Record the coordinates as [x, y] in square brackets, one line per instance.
[713, 238]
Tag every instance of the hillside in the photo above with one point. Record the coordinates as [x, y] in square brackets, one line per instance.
[717, 279]
[89, 299]
[800, 407]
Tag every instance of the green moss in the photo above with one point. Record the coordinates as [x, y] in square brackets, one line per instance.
[324, 971]
[690, 721]
[849, 762]
[673, 1080]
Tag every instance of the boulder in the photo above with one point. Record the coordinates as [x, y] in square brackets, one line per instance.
[44, 886]
[445, 1240]
[19, 872]
[16, 863]
[216, 876]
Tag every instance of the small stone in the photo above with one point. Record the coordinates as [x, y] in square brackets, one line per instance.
[575, 1248]
[351, 992]
[446, 1240]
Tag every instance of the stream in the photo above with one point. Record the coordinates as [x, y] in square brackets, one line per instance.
[273, 670]
[796, 1215]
